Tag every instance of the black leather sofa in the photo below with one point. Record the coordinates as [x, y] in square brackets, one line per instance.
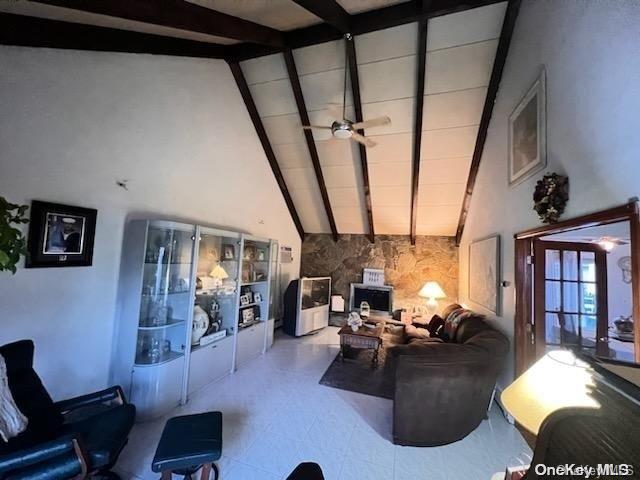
[74, 438]
[443, 387]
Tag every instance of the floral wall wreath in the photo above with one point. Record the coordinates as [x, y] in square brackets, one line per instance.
[550, 197]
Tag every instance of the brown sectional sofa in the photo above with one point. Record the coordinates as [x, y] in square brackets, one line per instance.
[443, 388]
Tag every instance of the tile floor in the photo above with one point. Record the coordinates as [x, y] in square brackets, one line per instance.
[276, 415]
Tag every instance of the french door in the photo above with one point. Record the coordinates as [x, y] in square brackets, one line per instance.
[570, 296]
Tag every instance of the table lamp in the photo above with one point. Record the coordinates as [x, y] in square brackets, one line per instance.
[219, 274]
[556, 381]
[432, 292]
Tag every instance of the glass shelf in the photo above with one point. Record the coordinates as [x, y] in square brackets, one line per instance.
[258, 282]
[250, 305]
[169, 324]
[168, 358]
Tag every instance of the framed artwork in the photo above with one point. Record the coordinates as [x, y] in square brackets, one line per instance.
[228, 252]
[484, 273]
[247, 315]
[60, 235]
[244, 300]
[249, 252]
[528, 134]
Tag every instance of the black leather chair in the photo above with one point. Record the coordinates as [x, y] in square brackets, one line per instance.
[73, 438]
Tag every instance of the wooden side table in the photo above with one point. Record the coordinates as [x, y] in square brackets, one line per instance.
[363, 338]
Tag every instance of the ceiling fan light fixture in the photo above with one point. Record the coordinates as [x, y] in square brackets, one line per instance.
[341, 130]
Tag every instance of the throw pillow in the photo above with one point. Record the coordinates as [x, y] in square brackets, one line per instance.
[12, 421]
[435, 323]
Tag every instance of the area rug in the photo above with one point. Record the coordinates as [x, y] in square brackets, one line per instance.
[356, 373]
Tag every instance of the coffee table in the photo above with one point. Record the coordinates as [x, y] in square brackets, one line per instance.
[363, 338]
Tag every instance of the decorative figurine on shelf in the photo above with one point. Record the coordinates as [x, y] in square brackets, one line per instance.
[200, 324]
[354, 321]
[214, 317]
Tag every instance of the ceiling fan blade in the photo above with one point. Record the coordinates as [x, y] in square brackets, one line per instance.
[363, 140]
[374, 122]
[318, 127]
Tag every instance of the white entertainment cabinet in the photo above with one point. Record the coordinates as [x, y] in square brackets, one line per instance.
[169, 272]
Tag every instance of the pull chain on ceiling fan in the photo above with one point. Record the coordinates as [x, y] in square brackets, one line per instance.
[345, 128]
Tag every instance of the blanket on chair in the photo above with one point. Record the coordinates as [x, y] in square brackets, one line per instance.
[12, 421]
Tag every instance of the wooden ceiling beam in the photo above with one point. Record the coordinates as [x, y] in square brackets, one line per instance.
[27, 31]
[241, 81]
[352, 63]
[417, 137]
[392, 16]
[330, 11]
[308, 135]
[492, 91]
[179, 14]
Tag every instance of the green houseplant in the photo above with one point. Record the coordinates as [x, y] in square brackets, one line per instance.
[12, 241]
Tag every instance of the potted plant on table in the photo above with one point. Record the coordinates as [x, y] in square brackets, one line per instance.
[13, 245]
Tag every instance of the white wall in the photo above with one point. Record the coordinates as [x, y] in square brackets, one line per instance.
[71, 124]
[591, 53]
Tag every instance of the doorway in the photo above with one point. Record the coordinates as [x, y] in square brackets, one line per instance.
[577, 287]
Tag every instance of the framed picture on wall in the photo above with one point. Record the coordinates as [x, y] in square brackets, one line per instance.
[528, 134]
[484, 273]
[60, 235]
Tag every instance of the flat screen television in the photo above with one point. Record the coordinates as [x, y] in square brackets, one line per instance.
[379, 298]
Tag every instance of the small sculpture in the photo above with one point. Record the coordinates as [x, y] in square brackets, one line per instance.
[354, 321]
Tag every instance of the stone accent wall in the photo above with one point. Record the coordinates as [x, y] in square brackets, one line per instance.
[406, 267]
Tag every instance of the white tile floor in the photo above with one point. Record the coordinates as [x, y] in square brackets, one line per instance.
[276, 415]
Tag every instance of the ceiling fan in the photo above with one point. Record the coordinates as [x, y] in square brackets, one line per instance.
[347, 129]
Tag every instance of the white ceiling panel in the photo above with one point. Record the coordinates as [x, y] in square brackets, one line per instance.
[460, 68]
[310, 209]
[340, 176]
[446, 230]
[40, 10]
[350, 220]
[358, 6]
[337, 152]
[292, 155]
[324, 88]
[474, 25]
[389, 43]
[395, 196]
[453, 109]
[391, 220]
[448, 142]
[344, 197]
[401, 112]
[264, 69]
[438, 214]
[390, 174]
[274, 98]
[388, 79]
[391, 148]
[441, 194]
[448, 170]
[278, 14]
[283, 129]
[297, 178]
[319, 58]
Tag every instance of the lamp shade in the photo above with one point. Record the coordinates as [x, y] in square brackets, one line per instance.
[431, 290]
[558, 380]
[219, 273]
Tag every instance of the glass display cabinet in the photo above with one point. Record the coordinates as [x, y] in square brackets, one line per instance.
[193, 304]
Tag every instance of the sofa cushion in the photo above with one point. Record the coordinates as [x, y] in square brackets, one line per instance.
[416, 332]
[30, 396]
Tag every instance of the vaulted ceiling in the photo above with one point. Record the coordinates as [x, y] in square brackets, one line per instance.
[432, 66]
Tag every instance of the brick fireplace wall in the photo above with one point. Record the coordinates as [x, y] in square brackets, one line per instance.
[406, 267]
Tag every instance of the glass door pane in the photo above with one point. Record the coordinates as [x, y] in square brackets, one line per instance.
[165, 298]
[216, 287]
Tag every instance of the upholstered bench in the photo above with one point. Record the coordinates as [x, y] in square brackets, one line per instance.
[188, 443]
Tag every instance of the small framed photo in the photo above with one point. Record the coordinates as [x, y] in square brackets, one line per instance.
[257, 297]
[249, 252]
[261, 256]
[60, 235]
[228, 252]
[245, 300]
[247, 315]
